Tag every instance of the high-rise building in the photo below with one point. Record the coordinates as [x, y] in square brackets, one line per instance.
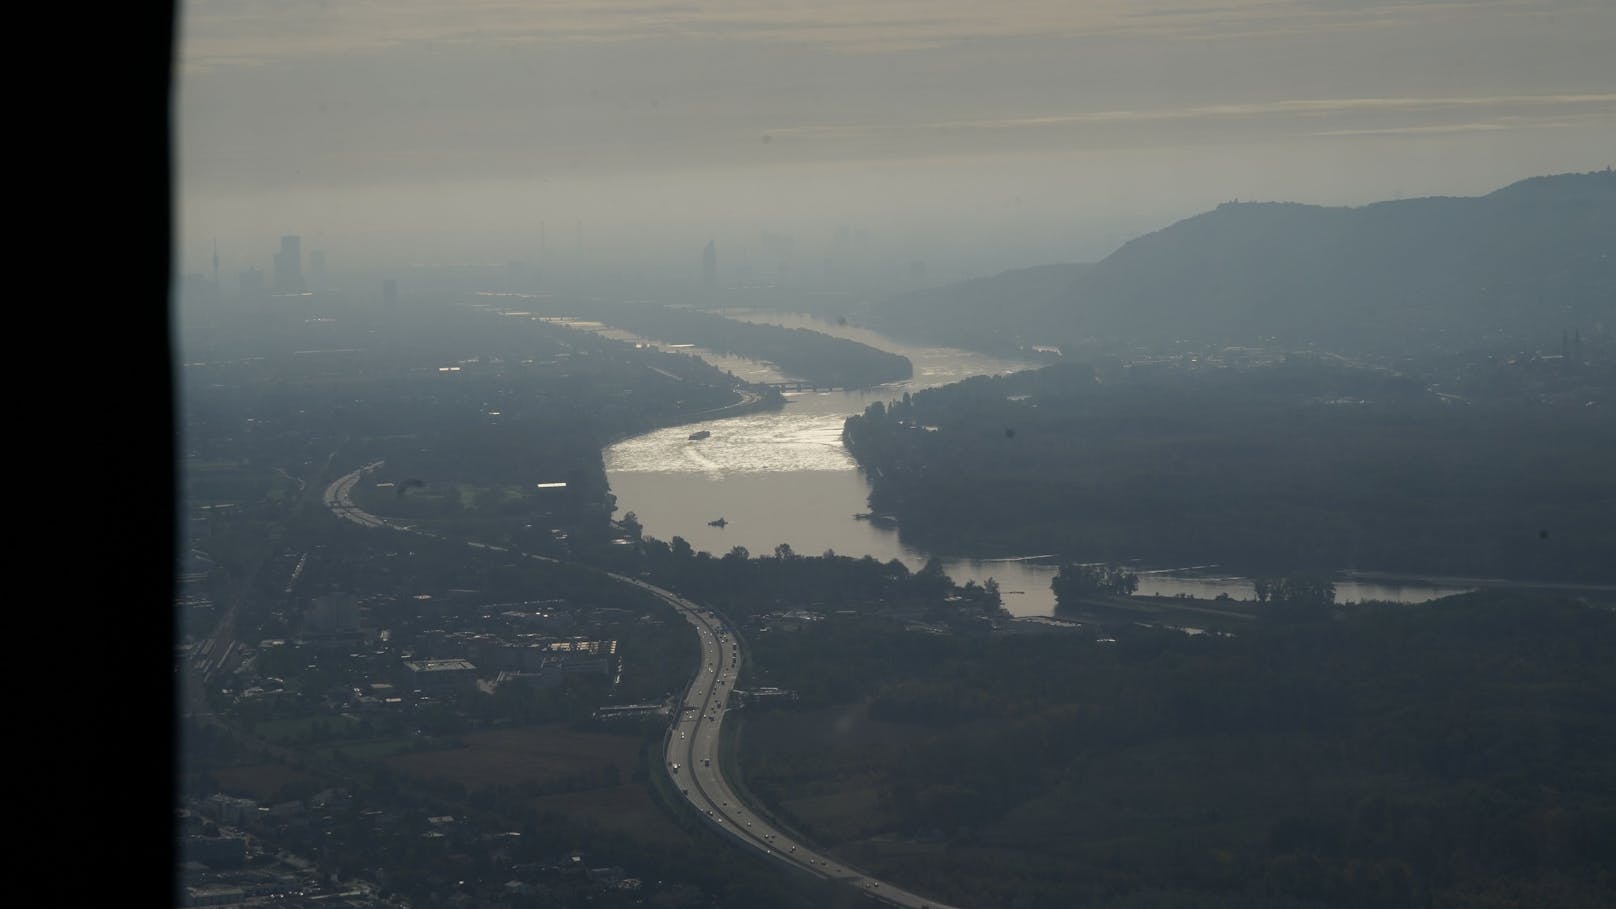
[709, 266]
[252, 283]
[317, 268]
[289, 266]
[389, 292]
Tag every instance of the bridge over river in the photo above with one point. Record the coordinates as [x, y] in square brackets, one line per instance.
[804, 386]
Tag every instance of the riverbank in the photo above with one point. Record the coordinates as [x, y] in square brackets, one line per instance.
[785, 476]
[751, 400]
[1300, 468]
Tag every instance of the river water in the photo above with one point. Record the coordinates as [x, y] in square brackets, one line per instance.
[785, 477]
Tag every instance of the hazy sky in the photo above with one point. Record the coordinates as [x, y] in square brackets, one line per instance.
[977, 136]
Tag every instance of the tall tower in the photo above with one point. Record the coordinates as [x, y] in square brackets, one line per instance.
[709, 266]
[216, 289]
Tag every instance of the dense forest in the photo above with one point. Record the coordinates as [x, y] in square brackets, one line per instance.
[819, 359]
[1411, 276]
[1300, 467]
[1449, 755]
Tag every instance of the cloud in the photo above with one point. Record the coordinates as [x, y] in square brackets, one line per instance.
[1209, 112]
[217, 33]
[384, 115]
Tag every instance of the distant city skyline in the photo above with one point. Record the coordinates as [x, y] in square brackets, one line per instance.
[289, 266]
[709, 266]
[1035, 132]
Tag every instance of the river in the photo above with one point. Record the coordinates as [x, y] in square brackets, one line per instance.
[785, 477]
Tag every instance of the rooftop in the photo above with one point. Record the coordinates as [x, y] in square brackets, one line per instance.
[440, 665]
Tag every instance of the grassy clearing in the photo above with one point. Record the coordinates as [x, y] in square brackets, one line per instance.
[552, 755]
[375, 749]
[222, 481]
[1173, 611]
[297, 729]
[260, 782]
[536, 755]
[848, 730]
[627, 809]
[841, 810]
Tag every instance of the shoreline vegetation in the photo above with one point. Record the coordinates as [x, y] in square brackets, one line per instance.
[1375, 755]
[1298, 467]
[812, 357]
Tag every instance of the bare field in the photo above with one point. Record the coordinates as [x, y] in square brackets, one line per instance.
[823, 762]
[843, 813]
[626, 809]
[551, 755]
[531, 755]
[838, 729]
[258, 781]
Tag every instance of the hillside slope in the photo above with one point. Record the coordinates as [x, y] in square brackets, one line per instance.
[1513, 268]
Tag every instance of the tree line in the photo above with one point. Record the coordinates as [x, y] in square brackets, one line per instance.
[1280, 471]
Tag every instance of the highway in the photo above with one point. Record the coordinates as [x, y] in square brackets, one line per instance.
[339, 498]
[691, 757]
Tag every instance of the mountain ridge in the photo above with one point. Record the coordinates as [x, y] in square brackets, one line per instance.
[1515, 266]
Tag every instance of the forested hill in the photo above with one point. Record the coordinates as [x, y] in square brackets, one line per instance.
[1517, 267]
[963, 314]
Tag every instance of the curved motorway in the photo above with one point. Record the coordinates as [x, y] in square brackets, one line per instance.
[692, 758]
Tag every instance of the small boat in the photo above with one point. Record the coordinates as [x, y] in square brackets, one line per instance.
[718, 523]
[698, 436]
